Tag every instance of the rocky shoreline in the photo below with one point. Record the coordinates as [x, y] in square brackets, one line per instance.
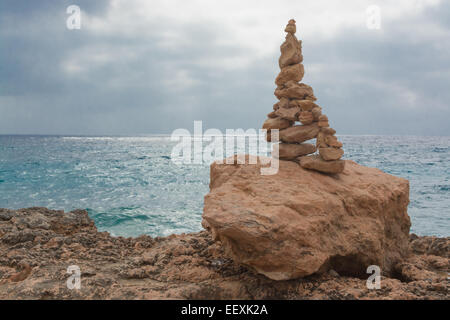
[37, 245]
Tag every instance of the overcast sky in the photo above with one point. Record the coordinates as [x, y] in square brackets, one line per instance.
[146, 66]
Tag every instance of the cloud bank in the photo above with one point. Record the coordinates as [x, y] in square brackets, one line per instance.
[138, 67]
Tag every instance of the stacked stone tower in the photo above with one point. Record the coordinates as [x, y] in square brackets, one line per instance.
[297, 103]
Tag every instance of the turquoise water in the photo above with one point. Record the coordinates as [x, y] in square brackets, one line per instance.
[130, 186]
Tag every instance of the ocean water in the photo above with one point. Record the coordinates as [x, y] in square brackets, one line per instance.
[130, 185]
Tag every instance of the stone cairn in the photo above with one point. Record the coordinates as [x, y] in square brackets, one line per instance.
[296, 103]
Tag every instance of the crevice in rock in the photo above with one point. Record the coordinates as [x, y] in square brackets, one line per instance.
[395, 274]
[348, 266]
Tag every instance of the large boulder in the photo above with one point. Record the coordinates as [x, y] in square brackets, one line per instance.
[300, 222]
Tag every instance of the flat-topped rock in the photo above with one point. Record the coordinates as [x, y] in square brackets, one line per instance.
[300, 222]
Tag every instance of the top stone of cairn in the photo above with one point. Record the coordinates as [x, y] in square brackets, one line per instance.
[290, 27]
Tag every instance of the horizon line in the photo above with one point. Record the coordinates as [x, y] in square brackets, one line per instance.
[169, 134]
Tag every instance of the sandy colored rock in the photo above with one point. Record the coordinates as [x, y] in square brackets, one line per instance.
[291, 51]
[283, 103]
[276, 123]
[320, 141]
[290, 73]
[290, 151]
[332, 141]
[314, 162]
[296, 91]
[272, 115]
[299, 222]
[328, 131]
[305, 105]
[288, 114]
[299, 134]
[331, 153]
[323, 121]
[306, 117]
[290, 27]
[317, 112]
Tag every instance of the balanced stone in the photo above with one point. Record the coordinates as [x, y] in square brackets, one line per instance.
[272, 115]
[314, 162]
[306, 117]
[283, 103]
[320, 141]
[291, 27]
[276, 123]
[290, 73]
[305, 105]
[328, 131]
[291, 51]
[289, 114]
[317, 112]
[290, 151]
[295, 91]
[331, 153]
[299, 134]
[332, 141]
[323, 121]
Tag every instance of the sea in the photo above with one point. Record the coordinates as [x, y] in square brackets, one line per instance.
[131, 185]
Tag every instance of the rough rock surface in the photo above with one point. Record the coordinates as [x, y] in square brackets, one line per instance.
[37, 245]
[300, 222]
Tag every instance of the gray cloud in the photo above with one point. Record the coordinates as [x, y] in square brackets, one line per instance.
[92, 81]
